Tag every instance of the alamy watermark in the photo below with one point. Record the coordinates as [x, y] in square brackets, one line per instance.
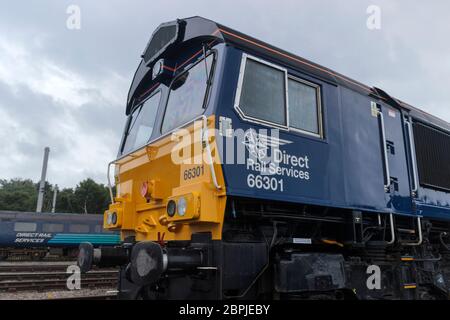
[73, 21]
[374, 19]
[262, 151]
[374, 280]
[74, 280]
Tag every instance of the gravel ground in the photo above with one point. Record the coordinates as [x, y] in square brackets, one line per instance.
[57, 294]
[54, 294]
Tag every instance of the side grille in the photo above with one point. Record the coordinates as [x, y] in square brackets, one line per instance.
[433, 156]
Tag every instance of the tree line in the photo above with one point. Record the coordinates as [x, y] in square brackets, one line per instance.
[21, 195]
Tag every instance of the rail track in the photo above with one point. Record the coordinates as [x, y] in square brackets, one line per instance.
[87, 297]
[47, 276]
[28, 266]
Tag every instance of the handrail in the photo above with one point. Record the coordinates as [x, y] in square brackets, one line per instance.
[387, 184]
[391, 222]
[413, 157]
[109, 182]
[204, 139]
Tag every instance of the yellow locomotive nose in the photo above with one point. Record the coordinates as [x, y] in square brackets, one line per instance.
[158, 196]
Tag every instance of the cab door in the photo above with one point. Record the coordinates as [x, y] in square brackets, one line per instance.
[395, 164]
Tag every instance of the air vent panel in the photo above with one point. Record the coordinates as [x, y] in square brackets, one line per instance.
[433, 156]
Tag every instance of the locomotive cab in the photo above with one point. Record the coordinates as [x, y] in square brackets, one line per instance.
[169, 183]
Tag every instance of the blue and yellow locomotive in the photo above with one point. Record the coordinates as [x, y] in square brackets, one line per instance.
[248, 172]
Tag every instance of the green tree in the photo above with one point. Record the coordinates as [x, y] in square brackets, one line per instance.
[21, 195]
[65, 201]
[91, 197]
[18, 195]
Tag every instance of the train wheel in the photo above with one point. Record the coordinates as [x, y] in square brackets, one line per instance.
[38, 256]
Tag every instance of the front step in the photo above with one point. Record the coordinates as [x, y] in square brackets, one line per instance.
[417, 231]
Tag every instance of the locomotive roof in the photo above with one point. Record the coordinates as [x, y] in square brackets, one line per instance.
[205, 30]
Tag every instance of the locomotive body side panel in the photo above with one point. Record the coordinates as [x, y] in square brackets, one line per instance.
[303, 159]
[345, 167]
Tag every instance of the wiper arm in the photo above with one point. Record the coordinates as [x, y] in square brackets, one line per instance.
[206, 65]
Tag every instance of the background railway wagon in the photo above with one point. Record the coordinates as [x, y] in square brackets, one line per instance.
[25, 231]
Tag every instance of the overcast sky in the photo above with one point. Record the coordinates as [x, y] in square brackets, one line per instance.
[67, 89]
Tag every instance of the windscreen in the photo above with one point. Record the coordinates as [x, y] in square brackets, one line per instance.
[141, 124]
[187, 94]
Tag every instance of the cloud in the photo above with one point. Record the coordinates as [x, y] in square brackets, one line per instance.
[42, 104]
[19, 66]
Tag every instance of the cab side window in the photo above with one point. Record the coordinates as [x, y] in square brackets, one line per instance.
[267, 94]
[304, 106]
[263, 94]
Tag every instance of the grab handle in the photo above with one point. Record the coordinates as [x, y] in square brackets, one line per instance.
[387, 183]
[413, 157]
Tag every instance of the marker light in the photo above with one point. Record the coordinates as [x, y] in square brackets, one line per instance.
[112, 218]
[144, 189]
[182, 205]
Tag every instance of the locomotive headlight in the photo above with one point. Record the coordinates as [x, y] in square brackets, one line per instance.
[162, 70]
[182, 206]
[186, 206]
[171, 208]
[158, 68]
